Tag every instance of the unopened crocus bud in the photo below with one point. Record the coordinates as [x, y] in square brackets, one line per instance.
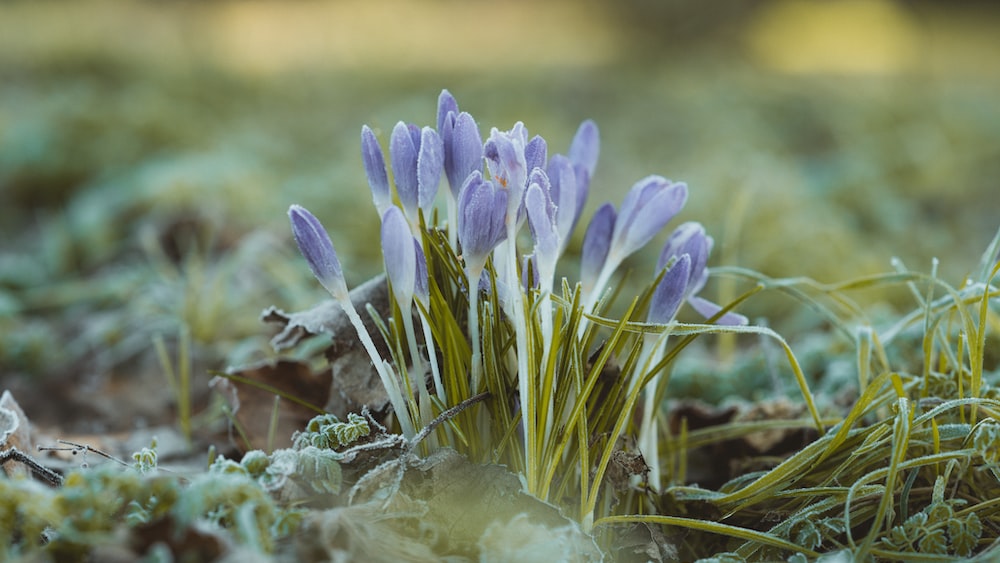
[446, 105]
[400, 258]
[670, 292]
[542, 221]
[417, 158]
[647, 208]
[374, 161]
[482, 211]
[463, 149]
[564, 195]
[315, 245]
[596, 243]
[586, 147]
[690, 239]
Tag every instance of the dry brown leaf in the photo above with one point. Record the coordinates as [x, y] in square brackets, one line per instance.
[252, 401]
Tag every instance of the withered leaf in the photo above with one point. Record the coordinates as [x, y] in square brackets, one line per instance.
[251, 391]
[355, 381]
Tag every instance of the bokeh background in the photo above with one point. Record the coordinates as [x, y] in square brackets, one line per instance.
[149, 150]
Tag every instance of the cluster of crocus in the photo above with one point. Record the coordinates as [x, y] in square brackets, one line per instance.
[496, 186]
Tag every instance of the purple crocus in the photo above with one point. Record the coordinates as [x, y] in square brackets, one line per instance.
[374, 161]
[586, 146]
[315, 245]
[400, 257]
[482, 211]
[566, 196]
[544, 230]
[647, 208]
[596, 243]
[505, 158]
[417, 157]
[690, 240]
[670, 292]
[462, 143]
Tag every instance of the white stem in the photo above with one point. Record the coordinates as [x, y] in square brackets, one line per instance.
[611, 264]
[432, 356]
[649, 437]
[417, 374]
[473, 272]
[525, 379]
[384, 370]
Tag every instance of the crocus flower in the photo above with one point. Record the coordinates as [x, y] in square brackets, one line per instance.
[482, 211]
[504, 152]
[315, 245]
[446, 105]
[463, 149]
[544, 230]
[596, 243]
[647, 208]
[690, 240]
[374, 161]
[670, 292]
[585, 147]
[566, 196]
[417, 157]
[400, 258]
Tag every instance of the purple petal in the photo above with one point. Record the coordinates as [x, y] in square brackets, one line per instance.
[446, 105]
[463, 150]
[403, 151]
[708, 310]
[586, 147]
[596, 243]
[482, 209]
[535, 153]
[689, 238]
[669, 293]
[400, 259]
[315, 245]
[430, 162]
[541, 218]
[378, 180]
[647, 208]
[564, 194]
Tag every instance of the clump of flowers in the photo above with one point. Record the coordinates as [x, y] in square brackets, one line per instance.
[564, 380]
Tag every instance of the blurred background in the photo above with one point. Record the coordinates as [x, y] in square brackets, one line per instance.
[149, 150]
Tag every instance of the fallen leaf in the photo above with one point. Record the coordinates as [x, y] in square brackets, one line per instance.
[251, 393]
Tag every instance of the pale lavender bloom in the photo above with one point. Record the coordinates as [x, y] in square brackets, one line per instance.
[400, 258]
[690, 240]
[482, 211]
[542, 221]
[536, 153]
[565, 195]
[374, 161]
[463, 148]
[647, 208]
[417, 157]
[446, 105]
[670, 292]
[504, 152]
[314, 243]
[586, 146]
[596, 244]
